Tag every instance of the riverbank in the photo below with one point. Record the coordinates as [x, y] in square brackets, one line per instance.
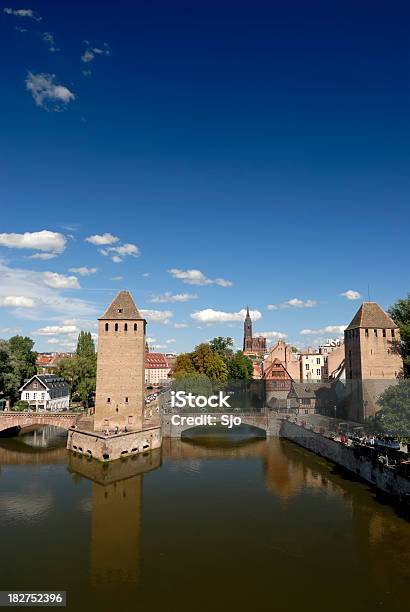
[383, 477]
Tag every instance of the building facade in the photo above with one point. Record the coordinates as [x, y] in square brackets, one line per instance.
[46, 392]
[119, 402]
[156, 368]
[372, 359]
[252, 345]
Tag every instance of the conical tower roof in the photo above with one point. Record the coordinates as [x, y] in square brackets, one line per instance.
[370, 315]
[122, 307]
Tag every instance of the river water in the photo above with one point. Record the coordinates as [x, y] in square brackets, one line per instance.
[200, 525]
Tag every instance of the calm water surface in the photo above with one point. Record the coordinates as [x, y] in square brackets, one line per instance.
[210, 524]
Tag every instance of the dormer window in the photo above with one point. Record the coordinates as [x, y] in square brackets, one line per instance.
[119, 310]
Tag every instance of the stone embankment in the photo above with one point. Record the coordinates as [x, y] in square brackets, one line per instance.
[369, 468]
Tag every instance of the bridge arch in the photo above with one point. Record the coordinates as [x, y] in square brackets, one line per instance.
[244, 429]
[26, 421]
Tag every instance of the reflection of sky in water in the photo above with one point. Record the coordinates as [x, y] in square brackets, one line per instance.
[24, 507]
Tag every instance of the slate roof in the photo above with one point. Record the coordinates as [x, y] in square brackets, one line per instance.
[55, 385]
[122, 307]
[371, 315]
[302, 391]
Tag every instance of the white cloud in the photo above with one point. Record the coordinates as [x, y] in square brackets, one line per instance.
[43, 256]
[101, 239]
[157, 316]
[91, 52]
[10, 330]
[46, 93]
[22, 13]
[56, 330]
[59, 281]
[293, 303]
[196, 277]
[210, 316]
[169, 297]
[16, 301]
[84, 271]
[49, 303]
[50, 41]
[271, 334]
[146, 275]
[117, 278]
[37, 241]
[180, 325]
[351, 294]
[330, 329]
[118, 253]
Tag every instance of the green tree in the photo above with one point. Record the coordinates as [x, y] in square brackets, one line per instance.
[207, 362]
[85, 345]
[400, 313]
[184, 364]
[80, 370]
[192, 382]
[394, 416]
[17, 363]
[240, 367]
[222, 346]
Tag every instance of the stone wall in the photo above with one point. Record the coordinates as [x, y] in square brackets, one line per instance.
[383, 478]
[21, 420]
[109, 448]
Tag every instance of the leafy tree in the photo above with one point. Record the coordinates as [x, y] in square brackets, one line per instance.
[85, 345]
[80, 370]
[209, 363]
[400, 313]
[184, 363]
[394, 416]
[17, 362]
[222, 346]
[239, 367]
[192, 382]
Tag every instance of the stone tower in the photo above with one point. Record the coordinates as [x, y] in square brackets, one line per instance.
[372, 359]
[119, 398]
[247, 331]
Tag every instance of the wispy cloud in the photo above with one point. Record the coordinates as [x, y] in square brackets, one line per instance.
[45, 240]
[84, 271]
[209, 316]
[157, 316]
[169, 297]
[180, 325]
[28, 13]
[59, 281]
[16, 301]
[196, 277]
[329, 329]
[49, 39]
[46, 93]
[102, 239]
[56, 330]
[92, 52]
[293, 303]
[351, 294]
[118, 253]
[271, 335]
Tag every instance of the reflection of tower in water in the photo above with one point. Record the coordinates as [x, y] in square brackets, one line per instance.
[116, 517]
[116, 532]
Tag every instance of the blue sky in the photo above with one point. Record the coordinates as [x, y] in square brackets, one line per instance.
[262, 144]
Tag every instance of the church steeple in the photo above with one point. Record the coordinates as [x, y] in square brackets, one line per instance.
[247, 331]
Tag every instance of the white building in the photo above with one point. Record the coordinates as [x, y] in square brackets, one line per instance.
[156, 368]
[46, 392]
[313, 367]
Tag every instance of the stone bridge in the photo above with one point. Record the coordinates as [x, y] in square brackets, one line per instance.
[263, 423]
[30, 420]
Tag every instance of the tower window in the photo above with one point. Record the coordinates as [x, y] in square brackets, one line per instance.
[384, 333]
[108, 400]
[392, 333]
[126, 400]
[116, 327]
[125, 326]
[119, 309]
[375, 333]
[366, 333]
[106, 327]
[135, 327]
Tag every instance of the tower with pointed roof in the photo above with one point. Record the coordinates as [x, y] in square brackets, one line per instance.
[251, 345]
[372, 359]
[119, 401]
